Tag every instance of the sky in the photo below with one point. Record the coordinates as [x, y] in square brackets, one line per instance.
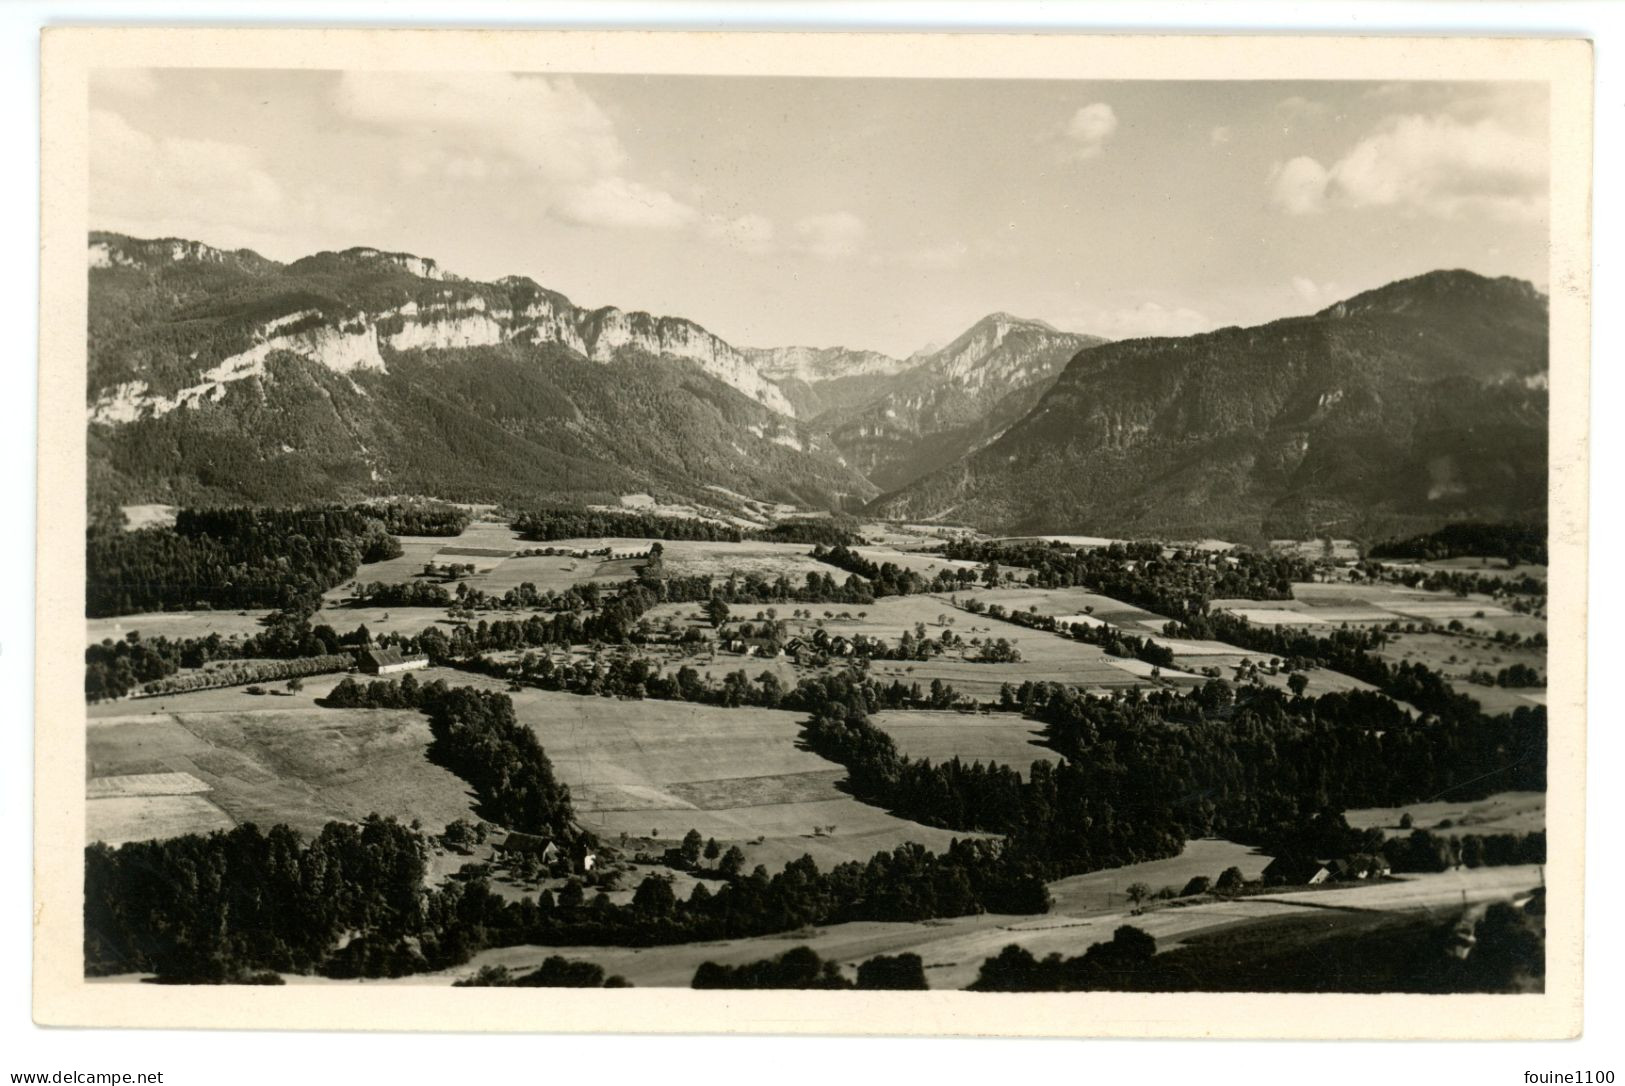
[885, 214]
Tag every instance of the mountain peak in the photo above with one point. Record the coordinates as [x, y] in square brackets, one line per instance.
[421, 266]
[1010, 320]
[1444, 288]
[110, 250]
[1417, 402]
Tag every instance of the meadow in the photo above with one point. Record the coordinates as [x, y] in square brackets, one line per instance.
[656, 769]
[219, 758]
[1003, 738]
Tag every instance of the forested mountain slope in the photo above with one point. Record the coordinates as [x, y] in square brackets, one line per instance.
[952, 400]
[1421, 401]
[228, 376]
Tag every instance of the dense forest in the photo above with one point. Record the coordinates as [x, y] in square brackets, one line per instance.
[1177, 583]
[230, 559]
[574, 522]
[1140, 774]
[430, 518]
[1518, 544]
[224, 907]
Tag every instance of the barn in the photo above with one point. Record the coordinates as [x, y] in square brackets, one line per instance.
[390, 661]
[1295, 871]
[531, 844]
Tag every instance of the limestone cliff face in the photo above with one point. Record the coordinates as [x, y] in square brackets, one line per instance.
[815, 365]
[1391, 412]
[437, 311]
[224, 376]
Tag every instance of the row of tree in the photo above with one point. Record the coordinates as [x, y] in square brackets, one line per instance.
[802, 968]
[571, 522]
[477, 737]
[1506, 952]
[116, 668]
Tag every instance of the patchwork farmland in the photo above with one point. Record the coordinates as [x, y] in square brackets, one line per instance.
[646, 772]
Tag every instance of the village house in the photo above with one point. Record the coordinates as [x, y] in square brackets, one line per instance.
[753, 646]
[546, 851]
[528, 844]
[1363, 865]
[390, 661]
[1295, 871]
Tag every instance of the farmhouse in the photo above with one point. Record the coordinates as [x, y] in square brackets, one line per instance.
[390, 661]
[1295, 871]
[753, 646]
[1363, 865]
[528, 844]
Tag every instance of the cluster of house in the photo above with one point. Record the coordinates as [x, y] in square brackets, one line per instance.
[1307, 871]
[797, 648]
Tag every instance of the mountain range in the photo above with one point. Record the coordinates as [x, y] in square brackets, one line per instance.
[1418, 402]
[224, 376]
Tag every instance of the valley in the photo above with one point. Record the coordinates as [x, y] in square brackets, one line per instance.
[691, 722]
[545, 630]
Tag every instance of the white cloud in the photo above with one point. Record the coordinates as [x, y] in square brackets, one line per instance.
[1429, 164]
[546, 128]
[137, 178]
[1148, 318]
[1088, 130]
[750, 233]
[1299, 108]
[619, 204]
[124, 82]
[1299, 186]
[1220, 134]
[832, 236]
[1316, 293]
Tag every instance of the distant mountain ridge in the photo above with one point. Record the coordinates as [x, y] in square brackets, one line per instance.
[221, 374]
[1420, 401]
[817, 380]
[226, 375]
[954, 399]
[384, 300]
[179, 327]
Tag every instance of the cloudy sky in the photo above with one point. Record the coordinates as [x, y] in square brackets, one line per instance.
[885, 214]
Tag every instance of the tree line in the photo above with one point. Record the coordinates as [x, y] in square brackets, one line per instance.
[477, 737]
[1174, 582]
[802, 968]
[1141, 773]
[230, 559]
[1518, 544]
[115, 668]
[1402, 953]
[570, 522]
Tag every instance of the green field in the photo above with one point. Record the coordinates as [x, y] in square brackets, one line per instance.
[1457, 656]
[294, 764]
[656, 769]
[1504, 812]
[1003, 738]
